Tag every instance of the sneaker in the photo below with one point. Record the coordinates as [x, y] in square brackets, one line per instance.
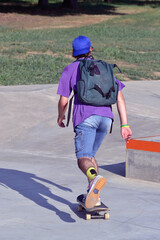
[93, 195]
[98, 203]
[99, 200]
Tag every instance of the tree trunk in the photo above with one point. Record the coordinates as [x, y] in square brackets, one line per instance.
[108, 1]
[43, 3]
[70, 4]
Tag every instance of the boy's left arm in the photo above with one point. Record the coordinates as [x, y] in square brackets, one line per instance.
[121, 107]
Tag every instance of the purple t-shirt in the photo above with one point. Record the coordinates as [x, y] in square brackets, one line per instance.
[70, 76]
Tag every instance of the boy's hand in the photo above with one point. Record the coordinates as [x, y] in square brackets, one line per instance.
[126, 133]
[60, 121]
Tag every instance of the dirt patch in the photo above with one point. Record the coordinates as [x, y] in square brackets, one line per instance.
[132, 10]
[123, 76]
[28, 21]
[157, 74]
[49, 53]
[35, 53]
[19, 21]
[125, 64]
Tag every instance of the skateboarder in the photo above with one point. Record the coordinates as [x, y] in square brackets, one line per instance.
[90, 123]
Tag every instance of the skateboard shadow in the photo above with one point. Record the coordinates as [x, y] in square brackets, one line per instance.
[31, 186]
[118, 168]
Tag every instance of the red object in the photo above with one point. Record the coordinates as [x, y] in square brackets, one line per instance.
[141, 144]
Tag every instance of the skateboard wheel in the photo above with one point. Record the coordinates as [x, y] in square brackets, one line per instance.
[106, 216]
[80, 208]
[88, 216]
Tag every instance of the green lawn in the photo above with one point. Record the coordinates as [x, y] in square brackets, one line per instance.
[39, 56]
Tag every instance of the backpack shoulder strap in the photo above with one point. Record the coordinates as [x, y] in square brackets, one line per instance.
[69, 110]
[115, 65]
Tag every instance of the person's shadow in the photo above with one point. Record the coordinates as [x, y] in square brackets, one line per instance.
[26, 184]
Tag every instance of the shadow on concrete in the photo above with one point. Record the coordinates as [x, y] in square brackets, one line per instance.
[28, 185]
[118, 168]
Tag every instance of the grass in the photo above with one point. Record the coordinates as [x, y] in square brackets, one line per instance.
[31, 70]
[39, 56]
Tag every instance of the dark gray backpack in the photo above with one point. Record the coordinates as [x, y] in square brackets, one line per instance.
[97, 85]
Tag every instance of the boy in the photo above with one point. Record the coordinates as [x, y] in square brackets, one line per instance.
[90, 123]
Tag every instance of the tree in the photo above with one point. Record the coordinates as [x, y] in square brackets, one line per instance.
[66, 3]
[70, 4]
[43, 3]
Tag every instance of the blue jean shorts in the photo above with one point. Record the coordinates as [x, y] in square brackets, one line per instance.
[89, 135]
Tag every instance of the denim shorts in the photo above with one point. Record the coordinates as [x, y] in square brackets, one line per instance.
[89, 135]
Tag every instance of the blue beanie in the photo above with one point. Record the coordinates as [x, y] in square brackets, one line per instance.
[81, 45]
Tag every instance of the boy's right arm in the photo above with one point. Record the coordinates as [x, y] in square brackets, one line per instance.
[62, 107]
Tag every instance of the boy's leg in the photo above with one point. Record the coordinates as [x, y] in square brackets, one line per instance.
[94, 162]
[86, 163]
[99, 182]
[84, 142]
[88, 167]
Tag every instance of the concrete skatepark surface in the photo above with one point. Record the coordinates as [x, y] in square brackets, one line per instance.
[40, 180]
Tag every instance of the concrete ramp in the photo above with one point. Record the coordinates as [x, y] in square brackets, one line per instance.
[40, 180]
[143, 158]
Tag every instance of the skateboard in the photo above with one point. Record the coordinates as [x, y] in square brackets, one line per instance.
[92, 212]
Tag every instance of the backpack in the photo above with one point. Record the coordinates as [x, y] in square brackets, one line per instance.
[97, 85]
